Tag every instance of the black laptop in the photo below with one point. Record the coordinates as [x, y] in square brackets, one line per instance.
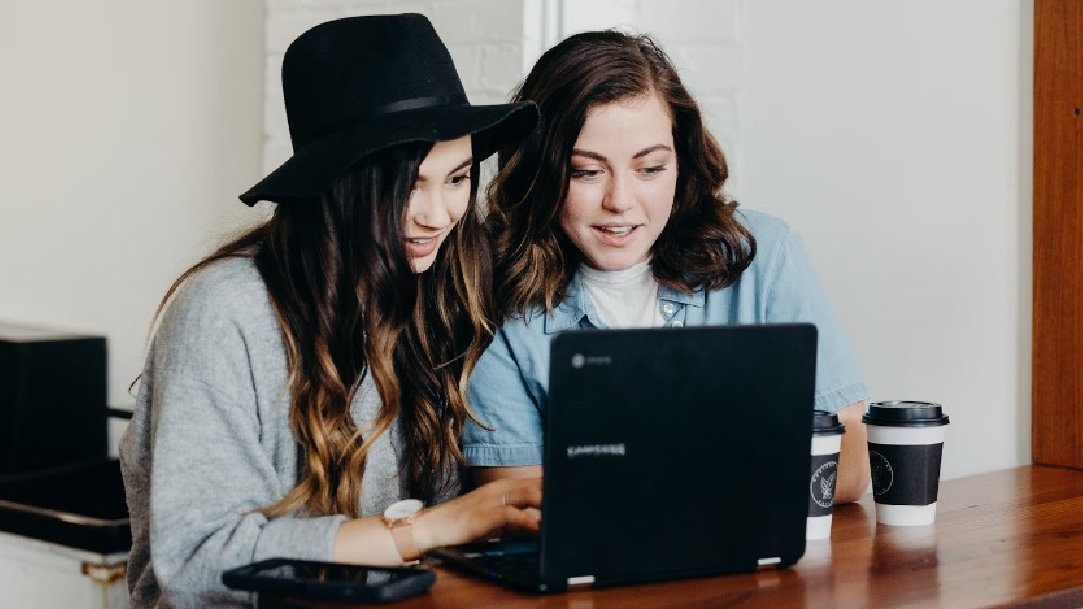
[669, 453]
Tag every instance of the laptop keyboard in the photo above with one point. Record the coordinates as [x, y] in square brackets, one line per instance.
[519, 566]
[516, 561]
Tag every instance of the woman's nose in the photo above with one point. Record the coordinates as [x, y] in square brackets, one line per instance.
[429, 209]
[619, 197]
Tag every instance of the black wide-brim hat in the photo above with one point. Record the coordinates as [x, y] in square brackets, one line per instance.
[357, 85]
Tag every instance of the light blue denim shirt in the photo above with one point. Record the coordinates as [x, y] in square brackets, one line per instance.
[509, 387]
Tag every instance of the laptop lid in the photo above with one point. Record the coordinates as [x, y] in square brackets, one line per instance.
[674, 452]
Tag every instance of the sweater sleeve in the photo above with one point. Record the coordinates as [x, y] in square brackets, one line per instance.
[208, 474]
[196, 463]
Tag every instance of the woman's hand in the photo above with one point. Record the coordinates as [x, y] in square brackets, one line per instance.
[511, 505]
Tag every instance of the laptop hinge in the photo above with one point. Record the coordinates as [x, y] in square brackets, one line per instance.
[581, 581]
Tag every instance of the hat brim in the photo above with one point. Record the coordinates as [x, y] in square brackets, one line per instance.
[310, 171]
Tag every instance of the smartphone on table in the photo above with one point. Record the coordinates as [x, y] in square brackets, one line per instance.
[329, 581]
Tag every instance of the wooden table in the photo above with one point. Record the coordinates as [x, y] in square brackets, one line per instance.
[1011, 538]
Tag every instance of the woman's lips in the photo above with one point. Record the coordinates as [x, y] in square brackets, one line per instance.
[419, 247]
[615, 235]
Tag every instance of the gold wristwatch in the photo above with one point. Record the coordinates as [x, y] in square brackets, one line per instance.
[399, 518]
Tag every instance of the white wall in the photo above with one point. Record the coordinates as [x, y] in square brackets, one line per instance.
[890, 135]
[896, 138]
[128, 129]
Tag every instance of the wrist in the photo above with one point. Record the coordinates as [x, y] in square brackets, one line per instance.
[426, 532]
[399, 518]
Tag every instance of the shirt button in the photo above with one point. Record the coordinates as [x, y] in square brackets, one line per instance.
[676, 324]
[667, 308]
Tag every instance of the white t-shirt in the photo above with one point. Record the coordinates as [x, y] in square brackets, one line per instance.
[624, 299]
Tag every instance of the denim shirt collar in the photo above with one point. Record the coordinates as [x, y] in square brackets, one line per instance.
[577, 305]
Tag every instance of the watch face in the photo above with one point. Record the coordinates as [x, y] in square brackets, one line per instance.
[403, 509]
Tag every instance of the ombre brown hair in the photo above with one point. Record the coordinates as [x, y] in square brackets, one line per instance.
[702, 245]
[348, 305]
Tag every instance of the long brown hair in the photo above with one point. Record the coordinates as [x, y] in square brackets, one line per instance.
[348, 305]
[702, 245]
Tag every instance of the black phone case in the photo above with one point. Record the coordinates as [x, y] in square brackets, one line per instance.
[248, 578]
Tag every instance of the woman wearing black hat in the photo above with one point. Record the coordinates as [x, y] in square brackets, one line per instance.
[309, 376]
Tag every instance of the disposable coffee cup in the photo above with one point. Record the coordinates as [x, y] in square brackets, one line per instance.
[906, 442]
[826, 444]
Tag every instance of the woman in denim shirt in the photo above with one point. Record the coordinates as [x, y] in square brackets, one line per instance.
[611, 215]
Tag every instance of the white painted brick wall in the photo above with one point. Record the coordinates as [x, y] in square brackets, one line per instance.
[541, 29]
[691, 21]
[583, 15]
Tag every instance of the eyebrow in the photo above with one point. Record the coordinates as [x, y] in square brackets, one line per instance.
[468, 162]
[602, 159]
[648, 150]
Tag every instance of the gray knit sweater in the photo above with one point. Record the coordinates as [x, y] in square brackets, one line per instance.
[210, 441]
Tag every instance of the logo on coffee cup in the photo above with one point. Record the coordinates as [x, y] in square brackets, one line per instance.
[883, 476]
[822, 486]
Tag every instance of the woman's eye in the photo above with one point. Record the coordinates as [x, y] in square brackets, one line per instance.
[459, 179]
[588, 174]
[655, 169]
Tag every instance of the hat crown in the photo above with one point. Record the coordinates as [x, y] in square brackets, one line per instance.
[357, 85]
[355, 67]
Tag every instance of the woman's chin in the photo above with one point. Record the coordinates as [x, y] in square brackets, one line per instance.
[423, 263]
[618, 262]
[418, 266]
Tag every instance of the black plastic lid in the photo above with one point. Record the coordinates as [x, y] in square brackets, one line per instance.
[905, 413]
[826, 423]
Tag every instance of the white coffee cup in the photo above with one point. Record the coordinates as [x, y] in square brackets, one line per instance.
[906, 443]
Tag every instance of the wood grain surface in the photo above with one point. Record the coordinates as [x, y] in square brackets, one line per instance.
[1057, 390]
[1012, 538]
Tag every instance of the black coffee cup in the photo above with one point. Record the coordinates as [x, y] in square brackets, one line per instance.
[826, 444]
[906, 443]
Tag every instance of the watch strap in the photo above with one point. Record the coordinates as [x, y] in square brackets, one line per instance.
[402, 532]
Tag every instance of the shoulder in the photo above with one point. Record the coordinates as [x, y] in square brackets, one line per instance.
[773, 237]
[522, 343]
[769, 231]
[520, 330]
[227, 286]
[216, 310]
[226, 292]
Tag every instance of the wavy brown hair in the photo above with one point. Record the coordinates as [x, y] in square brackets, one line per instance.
[702, 245]
[348, 305]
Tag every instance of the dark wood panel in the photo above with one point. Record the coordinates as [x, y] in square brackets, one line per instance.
[1012, 538]
[1058, 234]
